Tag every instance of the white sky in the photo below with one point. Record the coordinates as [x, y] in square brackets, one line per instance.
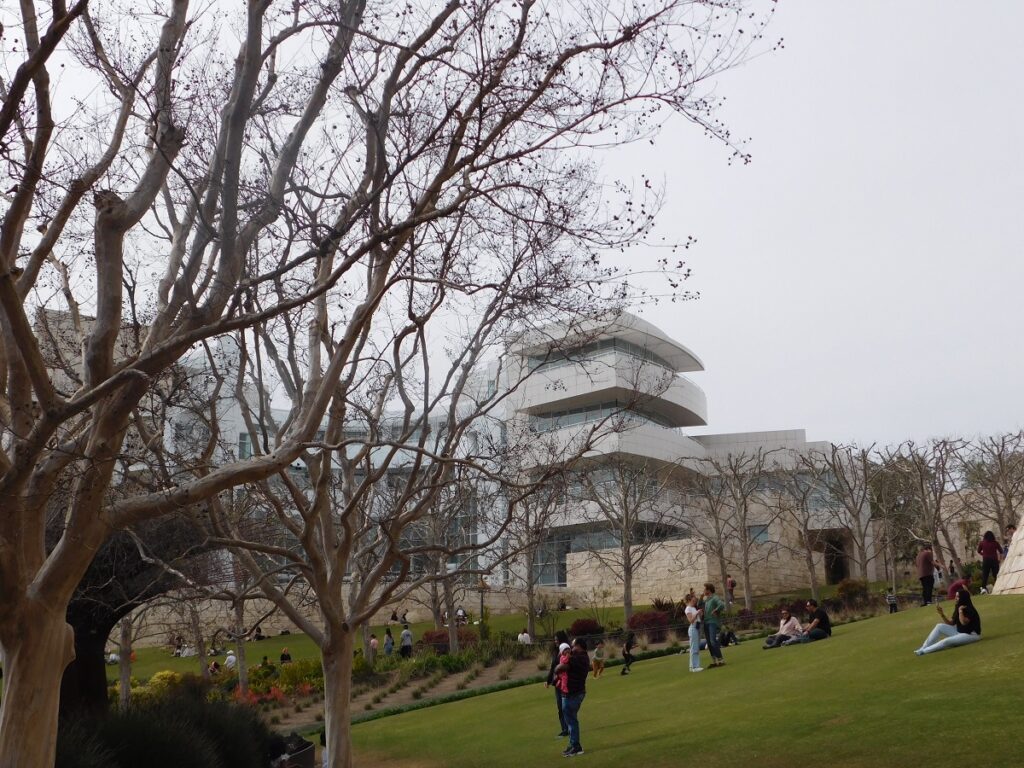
[861, 278]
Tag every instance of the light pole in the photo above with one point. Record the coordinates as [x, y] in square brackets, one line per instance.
[482, 588]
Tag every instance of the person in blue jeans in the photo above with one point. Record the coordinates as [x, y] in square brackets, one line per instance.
[962, 629]
[576, 668]
[693, 615]
[714, 609]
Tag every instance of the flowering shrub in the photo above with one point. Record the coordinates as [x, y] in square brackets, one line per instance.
[585, 628]
[292, 677]
[438, 638]
[652, 623]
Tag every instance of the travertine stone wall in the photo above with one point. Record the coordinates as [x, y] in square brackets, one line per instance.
[1011, 574]
[668, 571]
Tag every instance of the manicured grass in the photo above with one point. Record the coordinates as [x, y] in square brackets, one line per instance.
[149, 661]
[861, 699]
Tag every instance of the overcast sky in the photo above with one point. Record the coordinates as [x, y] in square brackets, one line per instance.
[862, 277]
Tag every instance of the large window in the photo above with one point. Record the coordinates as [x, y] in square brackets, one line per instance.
[758, 534]
[550, 561]
[549, 420]
[578, 354]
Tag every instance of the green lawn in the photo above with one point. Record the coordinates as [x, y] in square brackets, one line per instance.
[860, 699]
[152, 660]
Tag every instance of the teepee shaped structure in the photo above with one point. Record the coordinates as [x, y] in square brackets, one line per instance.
[1011, 573]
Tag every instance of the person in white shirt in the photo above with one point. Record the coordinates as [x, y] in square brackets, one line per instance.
[789, 628]
[524, 638]
[230, 661]
[693, 616]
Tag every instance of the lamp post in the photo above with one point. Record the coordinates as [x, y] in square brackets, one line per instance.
[482, 588]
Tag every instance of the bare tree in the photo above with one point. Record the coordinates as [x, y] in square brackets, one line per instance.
[849, 476]
[347, 171]
[990, 478]
[927, 472]
[803, 500]
[632, 506]
[729, 513]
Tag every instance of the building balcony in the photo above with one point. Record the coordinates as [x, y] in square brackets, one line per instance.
[614, 377]
[640, 441]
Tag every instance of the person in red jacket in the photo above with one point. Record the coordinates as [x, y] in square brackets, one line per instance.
[991, 555]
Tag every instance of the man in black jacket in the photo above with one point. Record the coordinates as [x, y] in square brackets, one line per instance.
[577, 669]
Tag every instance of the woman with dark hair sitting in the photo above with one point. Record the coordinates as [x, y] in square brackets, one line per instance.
[962, 629]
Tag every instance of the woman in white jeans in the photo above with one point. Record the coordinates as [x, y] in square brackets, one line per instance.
[964, 628]
[693, 615]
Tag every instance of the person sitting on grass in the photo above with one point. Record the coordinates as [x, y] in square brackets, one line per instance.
[964, 628]
[286, 657]
[789, 629]
[818, 626]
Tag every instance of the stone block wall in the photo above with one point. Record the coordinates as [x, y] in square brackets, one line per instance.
[669, 570]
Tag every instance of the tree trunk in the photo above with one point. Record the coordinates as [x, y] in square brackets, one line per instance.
[124, 665]
[862, 558]
[337, 665]
[748, 593]
[243, 667]
[627, 585]
[367, 650]
[531, 600]
[197, 638]
[83, 686]
[453, 624]
[812, 571]
[38, 644]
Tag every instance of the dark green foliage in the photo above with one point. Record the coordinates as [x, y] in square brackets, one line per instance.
[78, 747]
[179, 730]
[852, 592]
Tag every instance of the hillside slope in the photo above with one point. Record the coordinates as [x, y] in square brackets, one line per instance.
[861, 698]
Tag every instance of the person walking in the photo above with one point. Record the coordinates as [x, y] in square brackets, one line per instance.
[561, 639]
[926, 573]
[405, 642]
[730, 588]
[627, 653]
[598, 661]
[576, 669]
[714, 608]
[693, 616]
[991, 556]
[389, 642]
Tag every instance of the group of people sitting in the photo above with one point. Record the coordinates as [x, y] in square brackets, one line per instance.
[791, 631]
[962, 628]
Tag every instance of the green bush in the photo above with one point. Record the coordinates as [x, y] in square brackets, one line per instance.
[78, 747]
[852, 592]
[177, 730]
[299, 674]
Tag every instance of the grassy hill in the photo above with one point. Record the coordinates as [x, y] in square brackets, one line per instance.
[861, 698]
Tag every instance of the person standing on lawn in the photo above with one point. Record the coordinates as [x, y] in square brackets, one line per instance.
[561, 638]
[693, 615]
[714, 609]
[926, 573]
[730, 588]
[576, 668]
[405, 642]
[598, 661]
[991, 556]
